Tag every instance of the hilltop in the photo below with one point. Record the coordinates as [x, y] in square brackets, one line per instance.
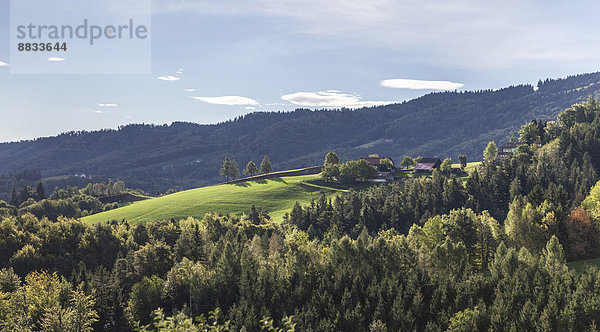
[277, 195]
[186, 155]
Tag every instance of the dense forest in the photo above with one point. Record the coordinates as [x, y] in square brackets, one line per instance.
[185, 155]
[428, 254]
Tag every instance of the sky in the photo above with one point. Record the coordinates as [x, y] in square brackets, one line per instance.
[214, 60]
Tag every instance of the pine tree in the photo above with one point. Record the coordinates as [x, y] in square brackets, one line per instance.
[40, 192]
[227, 169]
[251, 168]
[254, 215]
[235, 170]
[265, 166]
[13, 197]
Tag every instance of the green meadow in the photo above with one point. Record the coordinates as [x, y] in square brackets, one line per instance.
[276, 195]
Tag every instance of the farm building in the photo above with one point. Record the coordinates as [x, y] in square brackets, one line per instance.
[507, 149]
[378, 162]
[503, 155]
[383, 177]
[428, 165]
[510, 147]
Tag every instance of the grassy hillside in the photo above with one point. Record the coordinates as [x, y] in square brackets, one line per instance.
[470, 166]
[277, 195]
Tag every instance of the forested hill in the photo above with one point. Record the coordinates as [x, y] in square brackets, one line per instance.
[435, 125]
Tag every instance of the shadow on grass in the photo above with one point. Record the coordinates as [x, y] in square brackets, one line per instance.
[278, 180]
[339, 186]
[309, 188]
[242, 184]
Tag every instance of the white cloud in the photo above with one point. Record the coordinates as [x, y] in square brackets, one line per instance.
[250, 107]
[108, 105]
[168, 78]
[401, 83]
[56, 59]
[228, 100]
[99, 112]
[190, 90]
[180, 71]
[330, 99]
[3, 64]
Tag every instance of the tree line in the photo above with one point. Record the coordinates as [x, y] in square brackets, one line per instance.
[458, 272]
[230, 170]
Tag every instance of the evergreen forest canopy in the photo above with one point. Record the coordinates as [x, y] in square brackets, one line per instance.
[185, 155]
[431, 254]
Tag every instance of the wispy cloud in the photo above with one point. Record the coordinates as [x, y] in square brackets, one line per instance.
[488, 32]
[228, 100]
[330, 98]
[168, 78]
[190, 90]
[108, 105]
[401, 83]
[180, 71]
[3, 64]
[56, 59]
[99, 112]
[250, 107]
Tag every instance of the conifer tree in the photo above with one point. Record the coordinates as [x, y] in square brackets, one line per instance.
[251, 168]
[40, 192]
[229, 170]
[265, 166]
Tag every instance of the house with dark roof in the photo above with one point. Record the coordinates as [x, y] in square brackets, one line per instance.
[428, 165]
[503, 155]
[378, 162]
[510, 147]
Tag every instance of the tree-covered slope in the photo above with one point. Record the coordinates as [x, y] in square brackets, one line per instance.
[188, 155]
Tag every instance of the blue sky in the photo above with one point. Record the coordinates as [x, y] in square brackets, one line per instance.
[214, 60]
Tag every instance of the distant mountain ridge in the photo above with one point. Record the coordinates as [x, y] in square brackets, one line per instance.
[440, 125]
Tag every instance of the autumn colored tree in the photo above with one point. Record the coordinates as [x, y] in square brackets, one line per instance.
[582, 236]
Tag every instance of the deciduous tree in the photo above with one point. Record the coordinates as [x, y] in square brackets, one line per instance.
[331, 159]
[490, 153]
[446, 166]
[407, 162]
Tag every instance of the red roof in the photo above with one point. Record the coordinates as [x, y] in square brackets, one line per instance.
[375, 160]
